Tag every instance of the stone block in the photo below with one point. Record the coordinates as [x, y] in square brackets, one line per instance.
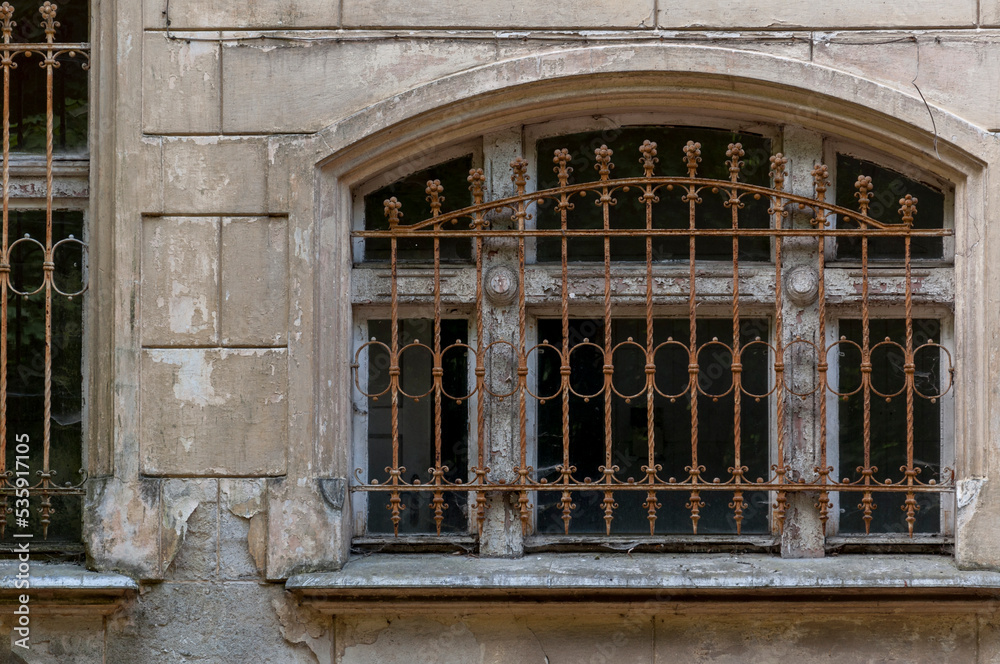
[189, 536]
[989, 14]
[180, 83]
[310, 86]
[180, 281]
[242, 528]
[121, 525]
[719, 14]
[515, 14]
[201, 14]
[216, 174]
[199, 622]
[303, 531]
[898, 64]
[840, 639]
[254, 281]
[214, 412]
[59, 638]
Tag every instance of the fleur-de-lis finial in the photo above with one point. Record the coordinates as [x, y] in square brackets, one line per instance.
[562, 170]
[908, 209]
[648, 159]
[603, 155]
[520, 174]
[821, 181]
[476, 181]
[48, 12]
[692, 157]
[7, 19]
[392, 207]
[434, 190]
[735, 153]
[863, 193]
[778, 172]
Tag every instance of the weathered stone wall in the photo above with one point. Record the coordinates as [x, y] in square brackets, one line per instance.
[220, 286]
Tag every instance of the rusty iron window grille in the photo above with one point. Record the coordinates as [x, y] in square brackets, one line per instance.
[458, 369]
[43, 266]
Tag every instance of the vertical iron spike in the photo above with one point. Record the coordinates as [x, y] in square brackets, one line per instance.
[604, 166]
[519, 175]
[609, 506]
[737, 507]
[567, 508]
[49, 22]
[692, 157]
[908, 209]
[648, 158]
[695, 504]
[434, 190]
[7, 22]
[651, 506]
[778, 172]
[561, 158]
[863, 193]
[392, 210]
[477, 179]
[821, 181]
[524, 508]
[734, 153]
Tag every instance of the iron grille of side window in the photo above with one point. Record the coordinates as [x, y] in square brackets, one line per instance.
[643, 351]
[43, 268]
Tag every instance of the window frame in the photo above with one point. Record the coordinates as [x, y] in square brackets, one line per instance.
[529, 134]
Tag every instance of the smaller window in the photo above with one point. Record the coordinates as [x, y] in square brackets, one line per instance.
[889, 186]
[418, 420]
[672, 211]
[888, 420]
[411, 192]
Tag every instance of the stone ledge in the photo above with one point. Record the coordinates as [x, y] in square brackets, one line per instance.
[657, 579]
[63, 588]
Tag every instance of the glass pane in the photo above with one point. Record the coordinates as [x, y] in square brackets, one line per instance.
[671, 430]
[26, 365]
[416, 425]
[410, 192]
[889, 187]
[888, 424]
[69, 83]
[671, 211]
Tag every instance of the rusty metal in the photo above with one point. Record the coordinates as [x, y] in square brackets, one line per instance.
[475, 225]
[52, 54]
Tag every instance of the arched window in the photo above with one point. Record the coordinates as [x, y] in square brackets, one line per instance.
[653, 332]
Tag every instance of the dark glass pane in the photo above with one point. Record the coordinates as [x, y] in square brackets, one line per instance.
[671, 211]
[889, 187]
[888, 425]
[671, 425]
[69, 83]
[410, 191]
[416, 425]
[26, 366]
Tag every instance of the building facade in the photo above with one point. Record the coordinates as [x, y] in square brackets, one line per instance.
[262, 334]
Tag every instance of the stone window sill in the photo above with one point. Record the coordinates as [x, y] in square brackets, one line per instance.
[653, 582]
[62, 588]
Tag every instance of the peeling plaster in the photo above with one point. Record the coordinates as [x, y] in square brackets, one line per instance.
[175, 520]
[194, 376]
[302, 625]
